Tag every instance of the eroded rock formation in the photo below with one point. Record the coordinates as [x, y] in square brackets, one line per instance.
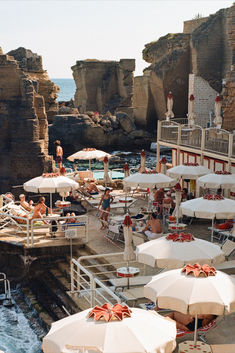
[106, 131]
[228, 105]
[104, 85]
[204, 49]
[31, 63]
[23, 126]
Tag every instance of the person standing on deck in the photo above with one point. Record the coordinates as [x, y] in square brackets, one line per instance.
[59, 154]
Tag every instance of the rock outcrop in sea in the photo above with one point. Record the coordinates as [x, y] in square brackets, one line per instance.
[23, 121]
[76, 131]
[104, 85]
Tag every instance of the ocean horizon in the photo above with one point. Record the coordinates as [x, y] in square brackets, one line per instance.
[67, 88]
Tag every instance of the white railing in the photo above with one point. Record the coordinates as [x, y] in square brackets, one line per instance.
[85, 282]
[27, 225]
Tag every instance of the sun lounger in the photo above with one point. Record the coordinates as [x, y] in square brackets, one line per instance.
[138, 238]
[228, 248]
[223, 348]
[222, 235]
[202, 331]
[134, 281]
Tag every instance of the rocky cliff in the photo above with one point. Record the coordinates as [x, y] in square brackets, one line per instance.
[104, 85]
[23, 126]
[107, 131]
[31, 63]
[204, 49]
[228, 105]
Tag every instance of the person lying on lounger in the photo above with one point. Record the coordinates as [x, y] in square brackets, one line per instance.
[28, 206]
[186, 322]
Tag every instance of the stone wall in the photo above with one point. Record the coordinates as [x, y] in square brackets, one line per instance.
[205, 49]
[169, 69]
[104, 85]
[23, 127]
[191, 25]
[204, 99]
[32, 64]
[228, 104]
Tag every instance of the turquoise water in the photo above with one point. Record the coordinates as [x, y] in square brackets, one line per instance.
[67, 88]
[115, 175]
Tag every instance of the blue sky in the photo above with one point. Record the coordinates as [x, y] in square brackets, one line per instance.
[66, 31]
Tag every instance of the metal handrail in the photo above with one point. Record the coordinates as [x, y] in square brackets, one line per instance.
[93, 282]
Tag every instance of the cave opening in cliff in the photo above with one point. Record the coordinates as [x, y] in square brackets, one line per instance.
[152, 116]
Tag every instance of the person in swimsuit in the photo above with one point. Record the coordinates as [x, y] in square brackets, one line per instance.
[153, 228]
[28, 206]
[40, 209]
[186, 322]
[59, 154]
[105, 203]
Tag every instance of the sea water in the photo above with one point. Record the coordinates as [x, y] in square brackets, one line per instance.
[16, 333]
[67, 88]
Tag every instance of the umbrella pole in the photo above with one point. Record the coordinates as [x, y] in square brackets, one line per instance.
[128, 278]
[212, 230]
[89, 164]
[195, 332]
[51, 202]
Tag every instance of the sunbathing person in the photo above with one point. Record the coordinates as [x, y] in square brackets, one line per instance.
[105, 203]
[186, 322]
[40, 209]
[70, 220]
[153, 228]
[92, 189]
[28, 206]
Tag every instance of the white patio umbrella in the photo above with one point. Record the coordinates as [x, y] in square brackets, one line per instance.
[218, 180]
[178, 196]
[79, 332]
[188, 171]
[209, 207]
[218, 118]
[163, 162]
[149, 180]
[126, 170]
[142, 161]
[178, 251]
[191, 121]
[89, 154]
[50, 183]
[213, 294]
[169, 114]
[106, 170]
[129, 254]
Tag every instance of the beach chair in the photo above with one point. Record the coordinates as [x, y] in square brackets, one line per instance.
[115, 231]
[201, 332]
[138, 238]
[228, 266]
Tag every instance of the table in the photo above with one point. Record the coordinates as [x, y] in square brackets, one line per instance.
[187, 347]
[126, 200]
[62, 204]
[177, 227]
[127, 272]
